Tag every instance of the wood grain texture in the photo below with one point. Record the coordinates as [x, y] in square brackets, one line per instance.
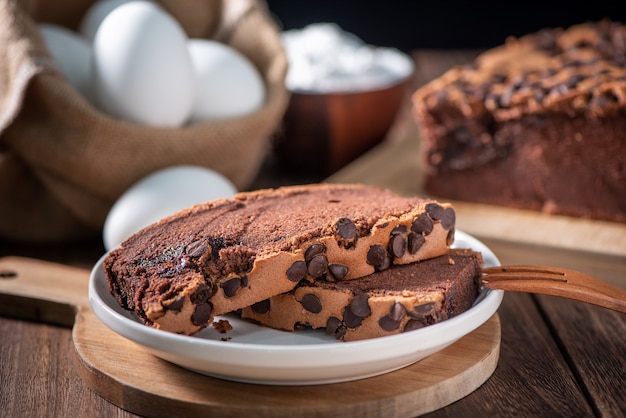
[584, 332]
[532, 379]
[38, 375]
[592, 340]
[130, 377]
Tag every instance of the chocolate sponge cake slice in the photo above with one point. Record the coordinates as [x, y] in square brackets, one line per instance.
[400, 299]
[227, 254]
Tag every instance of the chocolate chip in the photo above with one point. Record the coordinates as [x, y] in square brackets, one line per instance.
[296, 271]
[346, 228]
[231, 286]
[415, 242]
[166, 272]
[448, 219]
[412, 325]
[602, 99]
[499, 77]
[434, 210]
[201, 294]
[400, 229]
[422, 225]
[441, 96]
[201, 314]
[359, 305]
[539, 95]
[559, 89]
[505, 99]
[197, 248]
[338, 271]
[574, 79]
[350, 319]
[387, 323]
[217, 244]
[301, 326]
[420, 311]
[397, 245]
[385, 264]
[174, 304]
[546, 39]
[376, 255]
[261, 307]
[332, 323]
[450, 237]
[317, 265]
[311, 303]
[313, 250]
[335, 327]
[392, 321]
[434, 318]
[397, 311]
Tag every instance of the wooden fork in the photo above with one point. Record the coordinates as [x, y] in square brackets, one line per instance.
[556, 282]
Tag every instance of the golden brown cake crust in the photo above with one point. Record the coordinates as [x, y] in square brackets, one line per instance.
[227, 254]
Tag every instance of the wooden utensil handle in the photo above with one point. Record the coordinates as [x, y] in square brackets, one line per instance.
[573, 293]
[556, 281]
[42, 291]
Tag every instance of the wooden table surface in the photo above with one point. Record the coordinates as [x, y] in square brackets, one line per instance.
[558, 358]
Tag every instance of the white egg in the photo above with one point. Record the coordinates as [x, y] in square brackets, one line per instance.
[72, 54]
[95, 15]
[141, 67]
[160, 194]
[228, 84]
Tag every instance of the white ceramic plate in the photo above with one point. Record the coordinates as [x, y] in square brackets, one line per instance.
[255, 354]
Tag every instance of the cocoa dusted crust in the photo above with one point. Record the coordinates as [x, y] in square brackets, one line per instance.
[400, 299]
[537, 123]
[227, 254]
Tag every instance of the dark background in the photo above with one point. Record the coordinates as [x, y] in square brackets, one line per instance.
[442, 24]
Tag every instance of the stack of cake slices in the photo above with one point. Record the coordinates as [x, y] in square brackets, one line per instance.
[355, 260]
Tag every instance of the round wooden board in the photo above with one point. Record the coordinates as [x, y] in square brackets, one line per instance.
[135, 380]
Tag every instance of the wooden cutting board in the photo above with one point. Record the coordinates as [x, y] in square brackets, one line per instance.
[130, 377]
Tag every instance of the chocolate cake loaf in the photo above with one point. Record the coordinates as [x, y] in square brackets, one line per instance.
[402, 298]
[537, 123]
[227, 254]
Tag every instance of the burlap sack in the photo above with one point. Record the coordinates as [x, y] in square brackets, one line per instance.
[63, 163]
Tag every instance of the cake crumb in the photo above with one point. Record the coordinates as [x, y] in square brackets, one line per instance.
[222, 326]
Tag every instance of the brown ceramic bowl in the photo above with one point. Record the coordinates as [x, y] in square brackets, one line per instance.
[323, 131]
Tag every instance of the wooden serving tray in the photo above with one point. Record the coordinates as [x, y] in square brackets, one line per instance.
[130, 377]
